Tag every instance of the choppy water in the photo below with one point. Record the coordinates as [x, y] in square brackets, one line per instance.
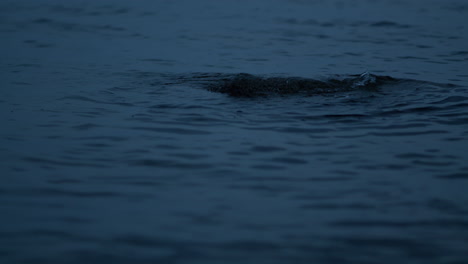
[115, 148]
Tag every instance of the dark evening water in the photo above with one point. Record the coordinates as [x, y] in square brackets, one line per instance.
[116, 148]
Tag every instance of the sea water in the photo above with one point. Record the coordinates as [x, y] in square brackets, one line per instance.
[114, 148]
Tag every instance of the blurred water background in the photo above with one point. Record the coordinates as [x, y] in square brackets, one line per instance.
[112, 151]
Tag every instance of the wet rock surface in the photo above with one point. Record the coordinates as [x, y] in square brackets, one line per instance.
[247, 85]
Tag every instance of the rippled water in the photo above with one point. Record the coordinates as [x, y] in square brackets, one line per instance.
[115, 146]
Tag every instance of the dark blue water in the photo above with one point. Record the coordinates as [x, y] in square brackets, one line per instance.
[118, 145]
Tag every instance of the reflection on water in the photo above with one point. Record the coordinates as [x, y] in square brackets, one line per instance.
[117, 146]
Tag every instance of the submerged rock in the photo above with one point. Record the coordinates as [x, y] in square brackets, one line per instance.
[247, 85]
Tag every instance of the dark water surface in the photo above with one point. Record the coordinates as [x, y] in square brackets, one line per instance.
[116, 148]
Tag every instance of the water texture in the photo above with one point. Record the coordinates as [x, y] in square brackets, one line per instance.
[234, 132]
